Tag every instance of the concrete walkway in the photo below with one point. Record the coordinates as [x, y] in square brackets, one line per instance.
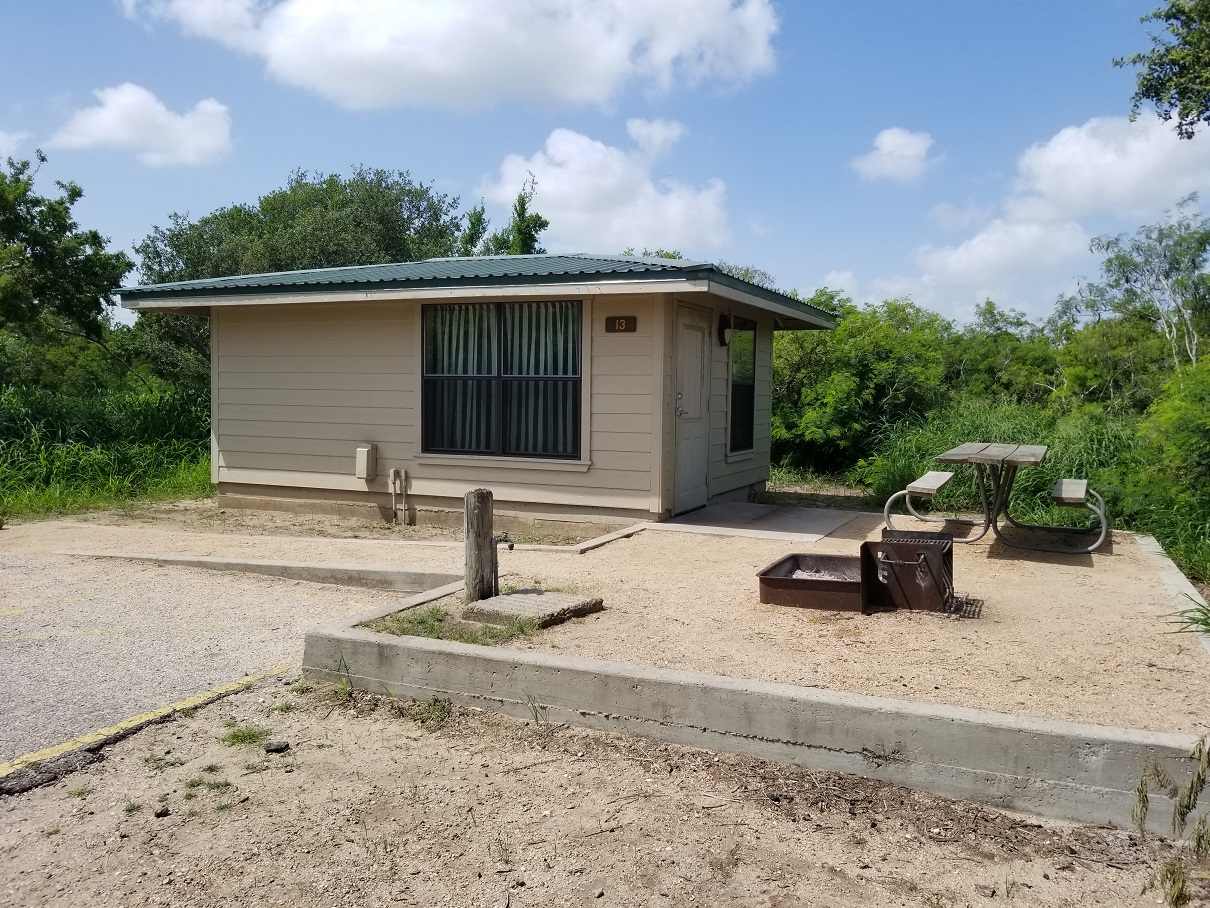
[762, 521]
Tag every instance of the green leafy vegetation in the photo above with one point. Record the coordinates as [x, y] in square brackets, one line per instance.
[436, 622]
[1114, 382]
[245, 735]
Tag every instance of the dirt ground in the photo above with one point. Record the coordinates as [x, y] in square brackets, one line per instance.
[369, 808]
[1082, 638]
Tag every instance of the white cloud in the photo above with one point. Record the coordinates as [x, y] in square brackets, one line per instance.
[898, 155]
[1001, 250]
[10, 142]
[600, 198]
[840, 280]
[1109, 164]
[469, 54]
[130, 118]
[1107, 175]
[953, 217]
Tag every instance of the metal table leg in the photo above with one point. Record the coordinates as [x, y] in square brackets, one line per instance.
[1002, 508]
[983, 524]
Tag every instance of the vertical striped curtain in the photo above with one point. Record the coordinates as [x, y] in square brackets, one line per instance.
[541, 369]
[459, 340]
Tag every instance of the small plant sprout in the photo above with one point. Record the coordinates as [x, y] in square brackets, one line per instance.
[245, 735]
[82, 792]
[212, 768]
[286, 706]
[132, 807]
[500, 851]
[159, 762]
[539, 712]
[302, 687]
[429, 714]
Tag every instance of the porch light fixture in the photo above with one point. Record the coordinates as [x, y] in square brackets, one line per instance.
[724, 330]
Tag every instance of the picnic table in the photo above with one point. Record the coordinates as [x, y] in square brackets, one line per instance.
[1001, 462]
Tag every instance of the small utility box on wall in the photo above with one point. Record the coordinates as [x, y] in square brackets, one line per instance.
[367, 461]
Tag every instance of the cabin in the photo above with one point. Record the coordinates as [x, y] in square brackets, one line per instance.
[572, 386]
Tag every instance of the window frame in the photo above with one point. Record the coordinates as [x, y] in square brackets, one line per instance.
[733, 452]
[499, 382]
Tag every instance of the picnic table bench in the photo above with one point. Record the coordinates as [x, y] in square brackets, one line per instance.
[1001, 462]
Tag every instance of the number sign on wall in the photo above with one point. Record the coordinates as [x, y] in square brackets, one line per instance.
[621, 324]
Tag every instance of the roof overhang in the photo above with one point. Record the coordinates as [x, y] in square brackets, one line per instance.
[790, 313]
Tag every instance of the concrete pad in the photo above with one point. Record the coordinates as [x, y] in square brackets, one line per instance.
[763, 521]
[544, 607]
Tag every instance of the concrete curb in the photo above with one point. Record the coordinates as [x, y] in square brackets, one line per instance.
[1174, 578]
[359, 575]
[1085, 773]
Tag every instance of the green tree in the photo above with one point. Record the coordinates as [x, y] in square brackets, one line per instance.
[835, 391]
[321, 221]
[525, 226]
[1175, 74]
[1002, 353]
[52, 271]
[1119, 360]
[659, 253]
[1158, 275]
[750, 273]
[316, 221]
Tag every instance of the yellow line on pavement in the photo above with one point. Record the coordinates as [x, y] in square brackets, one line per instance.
[134, 723]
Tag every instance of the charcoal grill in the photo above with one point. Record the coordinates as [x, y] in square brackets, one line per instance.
[909, 569]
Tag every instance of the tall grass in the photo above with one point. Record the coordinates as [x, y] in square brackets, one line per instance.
[60, 454]
[33, 414]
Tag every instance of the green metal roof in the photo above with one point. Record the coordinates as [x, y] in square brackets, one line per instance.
[477, 271]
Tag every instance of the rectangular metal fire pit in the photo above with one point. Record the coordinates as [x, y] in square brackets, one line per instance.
[813, 581]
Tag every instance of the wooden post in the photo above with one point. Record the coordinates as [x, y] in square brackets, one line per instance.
[482, 579]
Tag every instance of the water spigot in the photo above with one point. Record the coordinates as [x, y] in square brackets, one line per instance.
[503, 538]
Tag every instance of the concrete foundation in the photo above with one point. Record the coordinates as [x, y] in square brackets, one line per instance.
[374, 578]
[511, 516]
[1085, 773]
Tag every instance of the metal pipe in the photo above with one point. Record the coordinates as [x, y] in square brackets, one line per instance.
[394, 480]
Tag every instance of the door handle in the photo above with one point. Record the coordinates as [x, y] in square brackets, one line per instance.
[681, 411]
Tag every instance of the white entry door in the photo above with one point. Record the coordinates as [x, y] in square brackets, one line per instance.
[692, 409]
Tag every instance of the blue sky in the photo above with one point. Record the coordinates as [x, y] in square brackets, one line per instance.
[948, 151]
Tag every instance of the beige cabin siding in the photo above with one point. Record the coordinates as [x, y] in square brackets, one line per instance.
[297, 388]
[729, 472]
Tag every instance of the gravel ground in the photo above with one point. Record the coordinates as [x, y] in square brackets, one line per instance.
[1083, 638]
[370, 808]
[88, 643]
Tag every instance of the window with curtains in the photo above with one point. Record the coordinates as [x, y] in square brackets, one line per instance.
[743, 384]
[502, 379]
